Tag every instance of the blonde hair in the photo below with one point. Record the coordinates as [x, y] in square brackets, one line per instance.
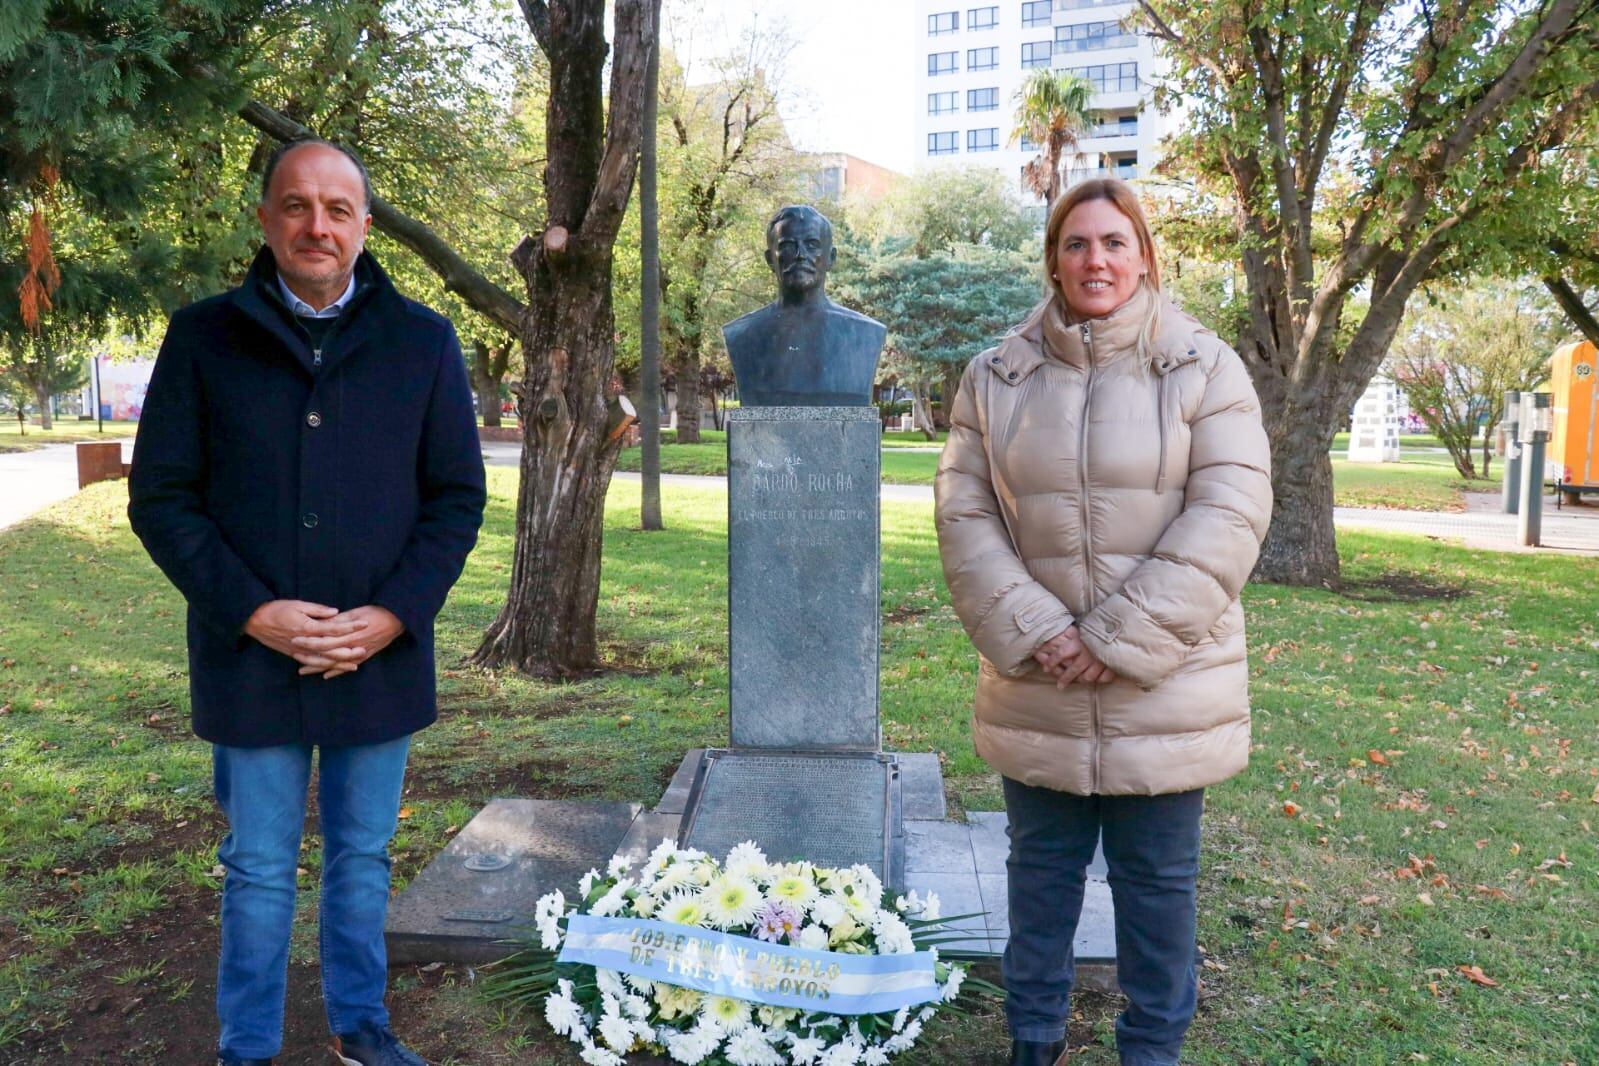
[1121, 196]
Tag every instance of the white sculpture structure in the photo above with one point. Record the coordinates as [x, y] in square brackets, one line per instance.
[1374, 436]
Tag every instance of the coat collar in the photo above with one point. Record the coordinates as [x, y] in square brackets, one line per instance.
[1046, 335]
[375, 299]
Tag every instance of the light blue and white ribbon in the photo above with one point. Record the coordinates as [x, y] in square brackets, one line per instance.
[722, 964]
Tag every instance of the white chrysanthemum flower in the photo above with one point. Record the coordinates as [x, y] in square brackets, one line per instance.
[901, 1016]
[776, 1017]
[675, 875]
[932, 909]
[562, 1011]
[549, 934]
[595, 1055]
[844, 1053]
[614, 900]
[619, 865]
[893, 935]
[691, 1047]
[586, 884]
[874, 1056]
[731, 901]
[793, 888]
[644, 904]
[866, 878]
[861, 907]
[617, 1031]
[805, 1050]
[726, 1013]
[682, 908]
[952, 987]
[657, 860]
[547, 913]
[905, 1038]
[749, 1047]
[610, 984]
[636, 1007]
[746, 860]
[813, 938]
[827, 909]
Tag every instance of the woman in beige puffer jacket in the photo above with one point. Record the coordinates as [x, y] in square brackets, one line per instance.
[1100, 503]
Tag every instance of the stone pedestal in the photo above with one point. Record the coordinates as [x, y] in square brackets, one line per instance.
[805, 776]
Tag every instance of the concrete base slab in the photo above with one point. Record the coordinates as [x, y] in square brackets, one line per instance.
[479, 893]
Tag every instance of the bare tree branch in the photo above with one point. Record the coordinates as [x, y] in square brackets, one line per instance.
[537, 14]
[1571, 303]
[459, 277]
[629, 67]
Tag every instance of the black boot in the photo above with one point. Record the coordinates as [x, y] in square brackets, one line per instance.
[1030, 1053]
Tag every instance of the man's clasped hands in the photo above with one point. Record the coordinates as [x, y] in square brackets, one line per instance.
[1064, 656]
[323, 640]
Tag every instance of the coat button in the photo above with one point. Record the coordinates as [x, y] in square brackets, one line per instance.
[309, 520]
[1011, 375]
[313, 420]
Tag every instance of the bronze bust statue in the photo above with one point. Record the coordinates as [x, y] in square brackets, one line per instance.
[802, 349]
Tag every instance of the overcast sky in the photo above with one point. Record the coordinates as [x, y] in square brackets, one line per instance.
[849, 78]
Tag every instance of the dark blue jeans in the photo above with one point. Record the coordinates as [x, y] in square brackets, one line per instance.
[262, 792]
[1152, 850]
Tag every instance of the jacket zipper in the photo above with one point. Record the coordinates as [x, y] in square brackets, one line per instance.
[1088, 539]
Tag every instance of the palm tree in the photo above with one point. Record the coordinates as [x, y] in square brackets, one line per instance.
[1052, 111]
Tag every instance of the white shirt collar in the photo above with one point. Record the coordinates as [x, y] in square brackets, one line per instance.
[305, 310]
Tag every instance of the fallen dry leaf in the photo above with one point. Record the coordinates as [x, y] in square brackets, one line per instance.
[1378, 757]
[1475, 975]
[1291, 809]
[1367, 901]
[405, 812]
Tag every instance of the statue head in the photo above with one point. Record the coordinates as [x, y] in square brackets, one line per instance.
[799, 250]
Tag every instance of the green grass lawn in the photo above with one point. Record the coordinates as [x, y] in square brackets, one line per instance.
[1420, 481]
[1421, 796]
[64, 431]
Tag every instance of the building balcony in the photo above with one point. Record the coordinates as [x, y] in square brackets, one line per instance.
[1088, 5]
[1096, 44]
[1124, 171]
[1111, 129]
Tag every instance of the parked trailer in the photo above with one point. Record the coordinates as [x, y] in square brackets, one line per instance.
[1573, 456]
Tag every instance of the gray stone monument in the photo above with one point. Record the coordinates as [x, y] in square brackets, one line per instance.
[804, 775]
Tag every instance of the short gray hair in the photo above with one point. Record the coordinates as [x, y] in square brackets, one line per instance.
[300, 142]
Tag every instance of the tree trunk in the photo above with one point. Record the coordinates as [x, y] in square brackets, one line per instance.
[1300, 548]
[688, 397]
[485, 383]
[922, 411]
[650, 299]
[41, 394]
[570, 437]
[1488, 446]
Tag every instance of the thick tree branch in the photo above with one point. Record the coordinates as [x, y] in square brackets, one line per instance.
[459, 277]
[618, 165]
[537, 14]
[1571, 303]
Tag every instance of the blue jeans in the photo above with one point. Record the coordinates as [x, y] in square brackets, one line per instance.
[262, 792]
[1152, 849]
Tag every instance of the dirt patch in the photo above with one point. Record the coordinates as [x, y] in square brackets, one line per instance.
[904, 613]
[443, 778]
[1400, 587]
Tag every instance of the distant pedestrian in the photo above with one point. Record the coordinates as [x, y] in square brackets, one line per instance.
[308, 474]
[1100, 502]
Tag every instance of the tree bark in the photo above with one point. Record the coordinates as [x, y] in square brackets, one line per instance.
[571, 428]
[689, 404]
[922, 411]
[1575, 309]
[1300, 547]
[41, 395]
[486, 382]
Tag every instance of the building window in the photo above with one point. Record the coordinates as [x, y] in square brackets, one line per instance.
[1078, 5]
[1090, 36]
[1035, 13]
[982, 58]
[941, 103]
[1028, 144]
[1110, 77]
[944, 22]
[982, 18]
[983, 140]
[940, 63]
[982, 99]
[941, 143]
[1036, 54]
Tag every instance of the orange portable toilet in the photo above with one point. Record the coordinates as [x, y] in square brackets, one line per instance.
[1574, 445]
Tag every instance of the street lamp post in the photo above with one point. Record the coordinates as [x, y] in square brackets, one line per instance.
[1536, 422]
[1510, 490]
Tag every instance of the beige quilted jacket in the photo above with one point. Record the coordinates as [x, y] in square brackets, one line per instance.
[1078, 486]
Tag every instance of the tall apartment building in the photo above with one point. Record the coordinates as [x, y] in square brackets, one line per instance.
[973, 59]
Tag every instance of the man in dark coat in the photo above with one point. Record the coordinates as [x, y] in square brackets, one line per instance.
[308, 474]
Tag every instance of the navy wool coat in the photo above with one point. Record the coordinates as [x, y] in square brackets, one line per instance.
[259, 474]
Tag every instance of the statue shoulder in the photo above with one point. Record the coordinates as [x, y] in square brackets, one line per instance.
[854, 321]
[755, 320]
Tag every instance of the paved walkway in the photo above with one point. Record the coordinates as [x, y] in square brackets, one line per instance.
[31, 481]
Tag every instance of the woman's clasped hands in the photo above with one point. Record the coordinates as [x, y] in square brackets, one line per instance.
[1065, 657]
